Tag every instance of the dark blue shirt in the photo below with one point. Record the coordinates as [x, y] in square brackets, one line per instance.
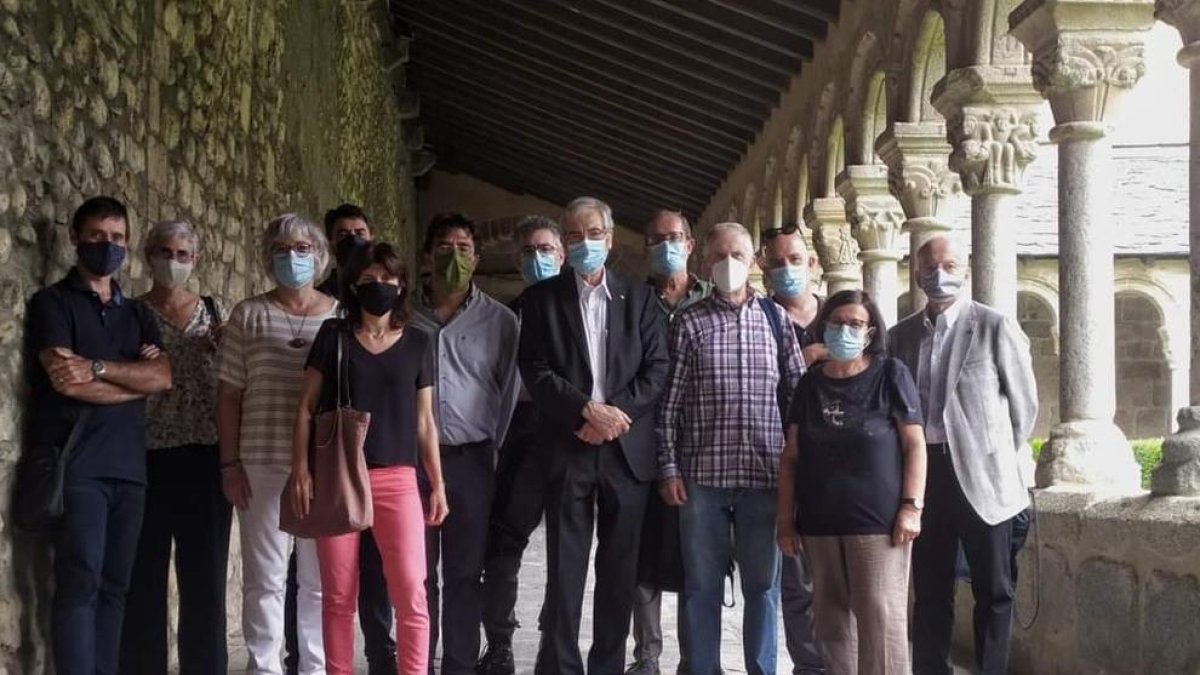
[69, 314]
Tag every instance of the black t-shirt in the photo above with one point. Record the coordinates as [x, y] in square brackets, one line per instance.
[383, 384]
[69, 314]
[849, 468]
[807, 335]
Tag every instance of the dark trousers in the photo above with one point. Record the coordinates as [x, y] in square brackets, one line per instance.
[374, 612]
[948, 519]
[521, 483]
[796, 597]
[593, 488]
[95, 547]
[456, 609]
[184, 505]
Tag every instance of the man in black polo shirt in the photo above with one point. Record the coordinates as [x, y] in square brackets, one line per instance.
[98, 359]
[789, 269]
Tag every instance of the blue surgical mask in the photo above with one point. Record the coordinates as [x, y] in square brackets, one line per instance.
[788, 281]
[538, 266]
[844, 343]
[294, 271]
[941, 286]
[588, 256]
[668, 258]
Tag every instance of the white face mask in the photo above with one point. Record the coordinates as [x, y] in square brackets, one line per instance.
[730, 275]
[170, 273]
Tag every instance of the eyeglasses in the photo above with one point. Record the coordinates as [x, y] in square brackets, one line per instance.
[300, 248]
[595, 234]
[855, 325]
[772, 232]
[178, 255]
[673, 237]
[547, 249]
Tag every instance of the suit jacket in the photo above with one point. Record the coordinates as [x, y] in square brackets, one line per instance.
[553, 359]
[991, 405]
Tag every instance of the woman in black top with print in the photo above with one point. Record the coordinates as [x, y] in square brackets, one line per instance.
[851, 483]
[390, 373]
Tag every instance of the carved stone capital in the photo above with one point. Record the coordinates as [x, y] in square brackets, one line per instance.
[992, 145]
[834, 241]
[919, 175]
[1086, 54]
[875, 216]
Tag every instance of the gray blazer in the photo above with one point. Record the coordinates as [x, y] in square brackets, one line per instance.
[991, 405]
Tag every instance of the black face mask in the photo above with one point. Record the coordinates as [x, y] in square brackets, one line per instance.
[377, 298]
[101, 258]
[346, 247]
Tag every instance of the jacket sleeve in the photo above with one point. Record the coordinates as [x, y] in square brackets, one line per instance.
[1015, 369]
[509, 385]
[642, 394]
[670, 408]
[555, 397]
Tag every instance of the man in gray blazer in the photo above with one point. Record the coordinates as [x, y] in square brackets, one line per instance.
[978, 393]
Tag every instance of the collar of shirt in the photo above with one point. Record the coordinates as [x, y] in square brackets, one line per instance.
[723, 302]
[587, 291]
[425, 301]
[74, 281]
[950, 315]
[698, 290]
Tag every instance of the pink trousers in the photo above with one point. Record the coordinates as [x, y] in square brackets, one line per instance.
[399, 531]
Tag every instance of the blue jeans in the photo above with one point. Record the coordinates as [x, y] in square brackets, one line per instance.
[715, 525]
[93, 558]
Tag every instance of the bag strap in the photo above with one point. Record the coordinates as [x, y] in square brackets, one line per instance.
[210, 305]
[768, 308]
[341, 381]
[76, 434]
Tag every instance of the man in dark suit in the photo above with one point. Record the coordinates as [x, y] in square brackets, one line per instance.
[593, 356]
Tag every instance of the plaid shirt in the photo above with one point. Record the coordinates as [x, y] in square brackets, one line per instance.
[719, 421]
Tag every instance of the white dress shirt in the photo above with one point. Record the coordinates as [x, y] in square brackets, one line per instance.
[593, 305]
[932, 375]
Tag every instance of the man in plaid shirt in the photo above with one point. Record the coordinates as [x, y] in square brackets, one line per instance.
[720, 438]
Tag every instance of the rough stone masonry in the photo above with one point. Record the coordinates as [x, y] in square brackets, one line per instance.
[222, 112]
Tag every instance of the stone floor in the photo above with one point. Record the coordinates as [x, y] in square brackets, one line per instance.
[533, 575]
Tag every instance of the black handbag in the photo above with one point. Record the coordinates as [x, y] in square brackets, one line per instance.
[37, 502]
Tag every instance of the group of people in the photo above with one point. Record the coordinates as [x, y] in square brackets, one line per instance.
[794, 438]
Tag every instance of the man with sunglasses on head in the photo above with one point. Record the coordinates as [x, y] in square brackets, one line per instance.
[669, 244]
[789, 270]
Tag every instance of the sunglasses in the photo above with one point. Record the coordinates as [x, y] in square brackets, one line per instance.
[772, 232]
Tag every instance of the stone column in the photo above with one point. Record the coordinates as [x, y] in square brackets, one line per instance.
[1179, 473]
[1086, 57]
[919, 175]
[835, 244]
[991, 122]
[875, 221]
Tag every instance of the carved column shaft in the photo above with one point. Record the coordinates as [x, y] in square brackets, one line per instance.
[835, 244]
[1179, 473]
[875, 221]
[1085, 65]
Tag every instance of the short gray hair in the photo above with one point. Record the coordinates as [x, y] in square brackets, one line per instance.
[735, 228]
[297, 227]
[590, 204]
[165, 230]
[530, 224]
[687, 227]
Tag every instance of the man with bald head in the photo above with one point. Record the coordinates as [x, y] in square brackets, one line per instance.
[978, 393]
[720, 437]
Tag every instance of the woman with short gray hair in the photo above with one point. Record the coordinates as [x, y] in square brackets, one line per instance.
[183, 504]
[263, 352]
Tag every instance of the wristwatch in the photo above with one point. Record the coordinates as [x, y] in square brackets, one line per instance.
[916, 502]
[98, 369]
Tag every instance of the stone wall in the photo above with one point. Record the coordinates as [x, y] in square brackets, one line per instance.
[221, 112]
[1041, 327]
[1144, 380]
[1116, 588]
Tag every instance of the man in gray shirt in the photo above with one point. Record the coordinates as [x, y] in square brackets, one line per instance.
[475, 391]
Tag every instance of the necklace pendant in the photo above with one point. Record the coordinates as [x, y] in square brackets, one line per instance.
[297, 343]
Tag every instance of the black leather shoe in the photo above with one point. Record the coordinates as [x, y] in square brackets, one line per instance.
[497, 660]
[643, 667]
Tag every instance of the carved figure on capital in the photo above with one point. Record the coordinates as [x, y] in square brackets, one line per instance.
[836, 245]
[1070, 65]
[876, 226]
[992, 147]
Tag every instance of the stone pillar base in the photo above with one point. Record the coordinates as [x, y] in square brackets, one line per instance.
[1179, 473]
[1092, 454]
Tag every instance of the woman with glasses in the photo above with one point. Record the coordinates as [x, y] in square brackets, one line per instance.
[264, 347]
[184, 503]
[851, 486]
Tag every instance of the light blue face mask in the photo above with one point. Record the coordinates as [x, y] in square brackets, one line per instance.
[588, 256]
[668, 258]
[844, 343]
[538, 266]
[789, 281]
[294, 271]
